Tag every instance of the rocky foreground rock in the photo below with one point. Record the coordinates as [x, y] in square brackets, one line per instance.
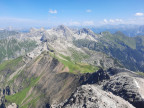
[90, 96]
[127, 85]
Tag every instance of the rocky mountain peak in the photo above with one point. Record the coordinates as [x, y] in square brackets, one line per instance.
[85, 30]
[62, 28]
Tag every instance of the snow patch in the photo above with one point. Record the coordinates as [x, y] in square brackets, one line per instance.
[137, 85]
[13, 105]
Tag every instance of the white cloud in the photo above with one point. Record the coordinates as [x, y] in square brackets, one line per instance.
[88, 23]
[105, 21]
[80, 23]
[53, 11]
[88, 10]
[136, 21]
[113, 21]
[139, 14]
[118, 20]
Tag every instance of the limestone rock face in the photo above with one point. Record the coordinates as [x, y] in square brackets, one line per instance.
[94, 78]
[89, 96]
[127, 86]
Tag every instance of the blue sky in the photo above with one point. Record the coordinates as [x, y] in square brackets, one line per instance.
[28, 13]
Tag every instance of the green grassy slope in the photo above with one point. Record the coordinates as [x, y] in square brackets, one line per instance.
[19, 97]
[75, 66]
[128, 50]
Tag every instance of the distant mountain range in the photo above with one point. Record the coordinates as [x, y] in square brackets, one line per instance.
[71, 68]
[128, 30]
